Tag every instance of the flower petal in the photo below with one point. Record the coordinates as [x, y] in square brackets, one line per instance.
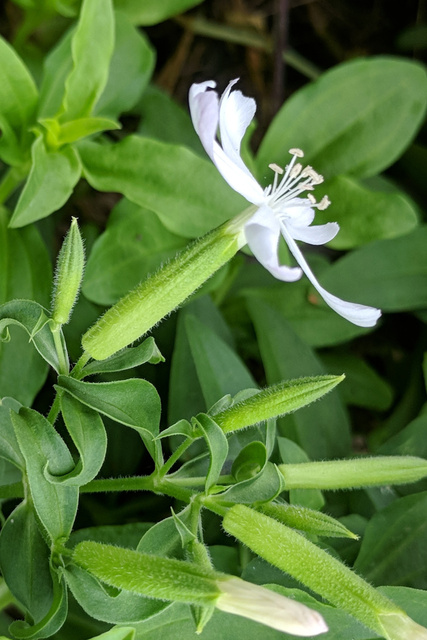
[358, 314]
[262, 233]
[236, 112]
[204, 109]
[319, 234]
[299, 211]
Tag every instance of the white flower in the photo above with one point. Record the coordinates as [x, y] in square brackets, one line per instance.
[268, 607]
[280, 209]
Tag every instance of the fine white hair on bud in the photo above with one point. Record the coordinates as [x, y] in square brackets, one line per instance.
[69, 275]
[268, 607]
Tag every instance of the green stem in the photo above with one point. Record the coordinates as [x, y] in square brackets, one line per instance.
[78, 367]
[64, 365]
[138, 483]
[199, 481]
[55, 409]
[174, 457]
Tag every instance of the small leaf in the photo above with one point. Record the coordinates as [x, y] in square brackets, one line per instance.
[217, 445]
[266, 485]
[51, 181]
[128, 358]
[250, 461]
[308, 520]
[88, 434]
[134, 403]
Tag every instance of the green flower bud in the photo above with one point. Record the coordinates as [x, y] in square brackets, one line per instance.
[350, 474]
[293, 553]
[69, 275]
[170, 579]
[275, 401]
[141, 309]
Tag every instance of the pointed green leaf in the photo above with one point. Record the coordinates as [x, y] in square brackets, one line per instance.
[44, 449]
[92, 47]
[134, 403]
[88, 434]
[217, 445]
[51, 181]
[128, 358]
[308, 520]
[151, 12]
[18, 101]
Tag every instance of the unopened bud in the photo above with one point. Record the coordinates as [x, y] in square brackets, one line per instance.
[69, 274]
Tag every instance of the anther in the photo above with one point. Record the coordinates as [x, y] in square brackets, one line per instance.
[297, 152]
[296, 170]
[275, 167]
[311, 198]
[324, 203]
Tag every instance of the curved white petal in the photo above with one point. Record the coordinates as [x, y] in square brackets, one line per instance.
[236, 112]
[204, 109]
[358, 314]
[262, 233]
[319, 234]
[299, 211]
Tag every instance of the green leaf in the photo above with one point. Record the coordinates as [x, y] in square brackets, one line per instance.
[365, 214]
[264, 486]
[389, 274]
[73, 130]
[393, 549]
[25, 272]
[339, 120]
[362, 387]
[24, 558]
[129, 358]
[88, 434]
[44, 450]
[250, 461]
[217, 445]
[308, 520]
[151, 12]
[219, 368]
[9, 448]
[321, 429]
[185, 393]
[122, 633]
[290, 452]
[185, 191]
[411, 441]
[118, 608]
[134, 403]
[18, 101]
[162, 539]
[164, 119]
[57, 66]
[31, 316]
[92, 47]
[130, 69]
[50, 183]
[134, 245]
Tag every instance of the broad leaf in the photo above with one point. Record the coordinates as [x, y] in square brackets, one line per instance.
[151, 12]
[338, 120]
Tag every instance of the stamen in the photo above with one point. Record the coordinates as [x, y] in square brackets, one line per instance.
[309, 172]
[324, 203]
[275, 167]
[311, 198]
[296, 170]
[297, 152]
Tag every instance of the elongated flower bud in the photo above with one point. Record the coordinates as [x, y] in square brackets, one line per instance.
[292, 552]
[170, 579]
[275, 401]
[69, 274]
[141, 309]
[359, 472]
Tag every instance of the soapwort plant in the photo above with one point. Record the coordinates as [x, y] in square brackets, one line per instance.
[221, 504]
